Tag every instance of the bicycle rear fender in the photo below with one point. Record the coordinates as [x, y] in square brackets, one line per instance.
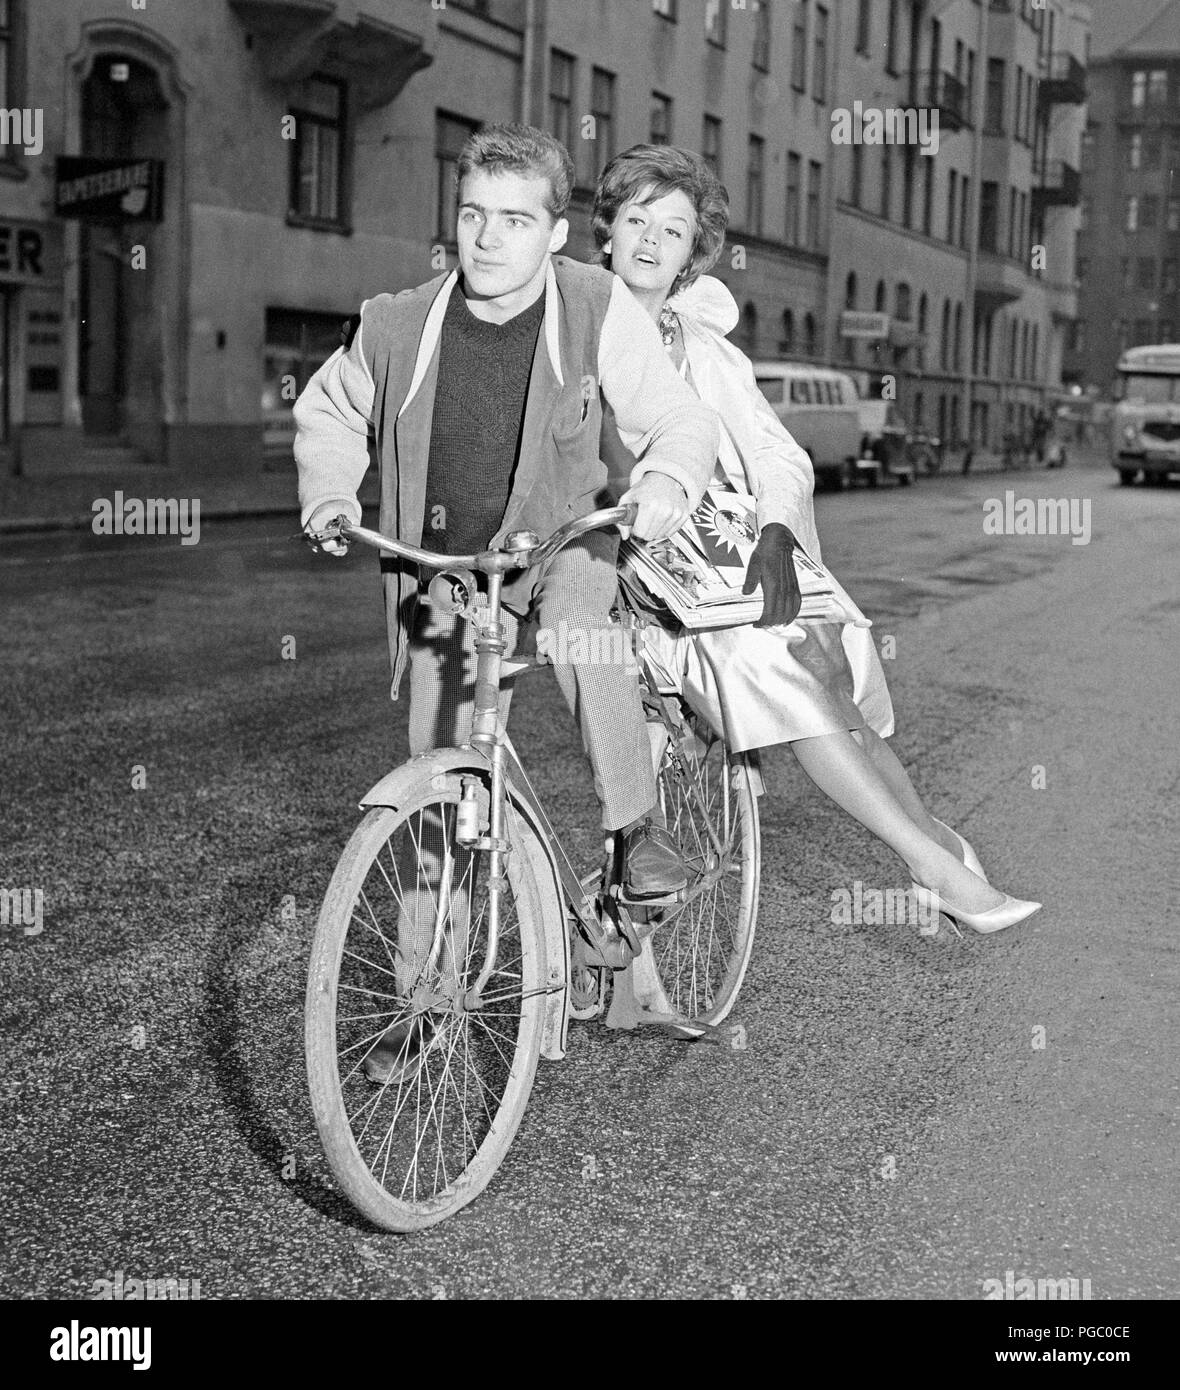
[400, 785]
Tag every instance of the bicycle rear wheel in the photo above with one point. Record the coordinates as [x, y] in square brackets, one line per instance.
[402, 936]
[700, 950]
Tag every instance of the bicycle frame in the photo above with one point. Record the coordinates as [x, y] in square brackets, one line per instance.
[489, 742]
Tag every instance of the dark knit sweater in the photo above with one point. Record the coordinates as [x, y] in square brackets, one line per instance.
[483, 378]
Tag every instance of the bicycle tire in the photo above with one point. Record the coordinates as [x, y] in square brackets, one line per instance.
[701, 950]
[461, 1056]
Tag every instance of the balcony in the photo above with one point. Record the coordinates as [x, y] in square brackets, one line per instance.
[1064, 84]
[999, 280]
[942, 92]
[299, 37]
[1060, 186]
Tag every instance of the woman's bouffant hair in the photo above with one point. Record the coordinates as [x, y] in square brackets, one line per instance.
[647, 172]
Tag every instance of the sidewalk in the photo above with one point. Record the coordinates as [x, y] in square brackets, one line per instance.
[67, 503]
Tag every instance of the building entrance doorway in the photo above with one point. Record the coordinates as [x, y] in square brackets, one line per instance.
[123, 117]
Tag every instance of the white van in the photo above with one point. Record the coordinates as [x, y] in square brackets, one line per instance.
[820, 407]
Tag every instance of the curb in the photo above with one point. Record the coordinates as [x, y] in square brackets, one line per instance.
[36, 524]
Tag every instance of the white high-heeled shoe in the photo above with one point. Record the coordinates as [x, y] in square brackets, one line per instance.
[970, 858]
[1005, 914]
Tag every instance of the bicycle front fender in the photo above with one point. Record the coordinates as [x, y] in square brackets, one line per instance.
[396, 786]
[436, 768]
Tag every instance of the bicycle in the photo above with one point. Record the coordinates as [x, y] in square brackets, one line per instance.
[456, 923]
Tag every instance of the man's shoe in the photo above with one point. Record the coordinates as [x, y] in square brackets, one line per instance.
[396, 1057]
[652, 866]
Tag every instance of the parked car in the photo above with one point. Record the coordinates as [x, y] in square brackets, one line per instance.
[820, 407]
[896, 449]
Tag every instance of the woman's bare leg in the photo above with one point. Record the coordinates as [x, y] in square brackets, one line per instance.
[842, 768]
[891, 768]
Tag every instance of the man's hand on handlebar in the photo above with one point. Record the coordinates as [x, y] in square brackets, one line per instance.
[663, 507]
[318, 521]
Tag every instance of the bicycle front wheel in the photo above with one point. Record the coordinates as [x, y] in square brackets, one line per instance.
[417, 1096]
[700, 950]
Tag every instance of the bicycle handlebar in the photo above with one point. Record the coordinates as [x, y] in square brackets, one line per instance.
[518, 556]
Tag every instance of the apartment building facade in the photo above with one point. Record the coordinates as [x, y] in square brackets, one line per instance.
[951, 276]
[217, 186]
[1129, 242]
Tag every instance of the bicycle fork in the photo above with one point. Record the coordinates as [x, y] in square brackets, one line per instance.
[485, 735]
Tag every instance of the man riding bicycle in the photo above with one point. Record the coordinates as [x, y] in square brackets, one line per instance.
[481, 388]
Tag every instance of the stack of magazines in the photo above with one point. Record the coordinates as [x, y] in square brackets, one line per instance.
[698, 573]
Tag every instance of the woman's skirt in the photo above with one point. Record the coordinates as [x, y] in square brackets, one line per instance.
[761, 686]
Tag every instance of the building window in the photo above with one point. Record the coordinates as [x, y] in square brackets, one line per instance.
[451, 133]
[794, 193]
[989, 216]
[754, 185]
[907, 186]
[879, 298]
[1149, 213]
[814, 187]
[891, 39]
[760, 57]
[951, 188]
[902, 302]
[666, 9]
[964, 205]
[1135, 150]
[602, 108]
[1138, 88]
[1174, 214]
[799, 47]
[787, 341]
[809, 336]
[864, 24]
[750, 325]
[923, 324]
[1171, 275]
[886, 202]
[969, 94]
[928, 196]
[1013, 222]
[856, 176]
[1082, 268]
[850, 290]
[1152, 152]
[297, 343]
[819, 57]
[1018, 114]
[715, 11]
[561, 96]
[1126, 272]
[993, 122]
[7, 56]
[661, 119]
[945, 345]
[317, 152]
[711, 144]
[1146, 276]
[957, 341]
[1157, 87]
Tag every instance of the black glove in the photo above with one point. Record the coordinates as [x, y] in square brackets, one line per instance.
[772, 567]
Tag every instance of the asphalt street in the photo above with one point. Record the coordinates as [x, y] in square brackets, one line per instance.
[909, 1117]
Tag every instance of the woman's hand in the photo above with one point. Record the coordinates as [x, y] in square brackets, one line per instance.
[772, 567]
[663, 507]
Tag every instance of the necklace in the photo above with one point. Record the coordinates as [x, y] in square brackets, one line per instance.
[669, 323]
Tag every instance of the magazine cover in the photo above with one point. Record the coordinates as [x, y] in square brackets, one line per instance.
[699, 571]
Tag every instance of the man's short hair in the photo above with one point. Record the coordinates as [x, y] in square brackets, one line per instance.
[521, 149]
[647, 172]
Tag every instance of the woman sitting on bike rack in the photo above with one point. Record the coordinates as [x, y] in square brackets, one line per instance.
[660, 217]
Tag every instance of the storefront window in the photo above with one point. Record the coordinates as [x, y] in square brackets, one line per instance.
[298, 342]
